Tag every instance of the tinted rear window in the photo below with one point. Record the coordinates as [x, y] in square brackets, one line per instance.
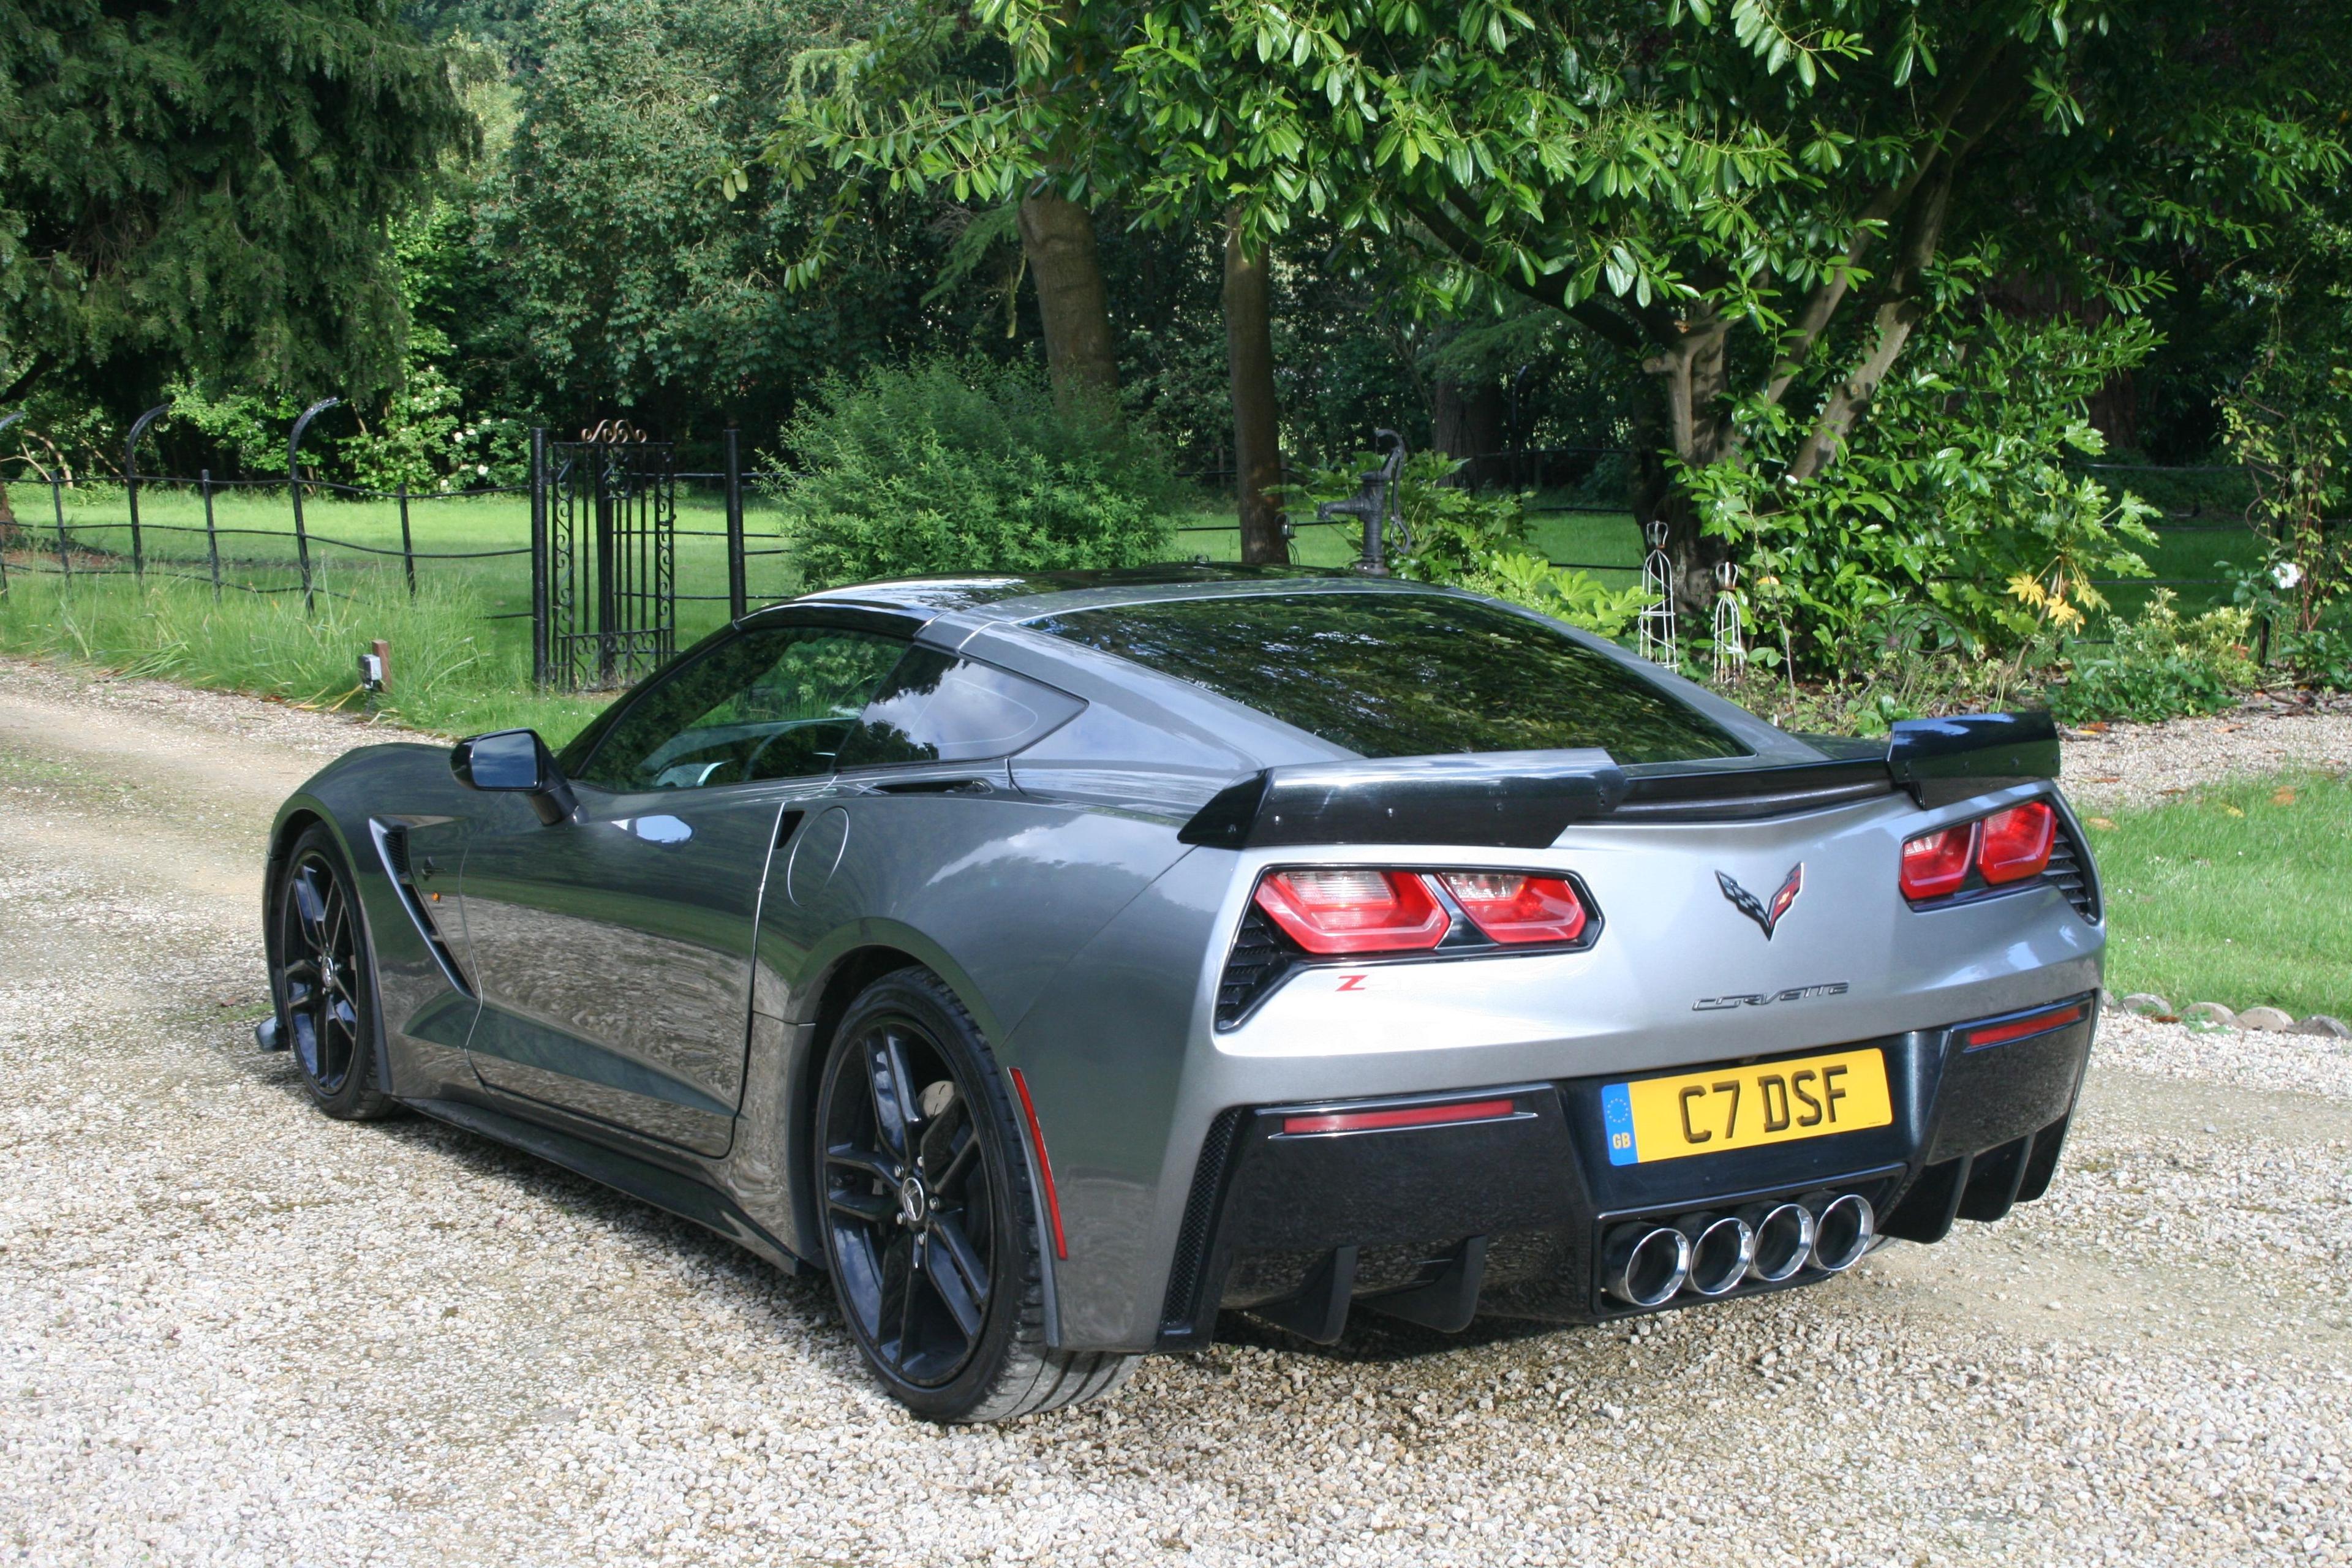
[937, 708]
[1404, 675]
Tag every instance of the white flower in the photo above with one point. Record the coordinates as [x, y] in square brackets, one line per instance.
[2286, 574]
[481, 467]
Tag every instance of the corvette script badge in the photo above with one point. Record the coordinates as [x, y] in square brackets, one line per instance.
[1764, 914]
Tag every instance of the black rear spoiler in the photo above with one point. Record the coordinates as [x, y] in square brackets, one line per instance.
[1522, 800]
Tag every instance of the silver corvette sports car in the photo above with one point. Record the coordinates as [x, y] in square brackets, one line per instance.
[1059, 962]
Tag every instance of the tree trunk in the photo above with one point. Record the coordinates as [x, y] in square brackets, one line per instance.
[1693, 380]
[1257, 433]
[1466, 422]
[1058, 237]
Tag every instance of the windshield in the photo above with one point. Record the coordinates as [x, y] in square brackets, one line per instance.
[1404, 675]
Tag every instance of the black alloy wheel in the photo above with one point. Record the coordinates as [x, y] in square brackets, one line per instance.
[929, 1221]
[324, 982]
[909, 1202]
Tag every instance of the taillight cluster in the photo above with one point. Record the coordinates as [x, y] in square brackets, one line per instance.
[2007, 847]
[1359, 910]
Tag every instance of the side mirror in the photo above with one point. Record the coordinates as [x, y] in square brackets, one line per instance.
[515, 759]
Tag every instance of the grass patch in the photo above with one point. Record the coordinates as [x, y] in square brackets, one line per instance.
[451, 671]
[2233, 895]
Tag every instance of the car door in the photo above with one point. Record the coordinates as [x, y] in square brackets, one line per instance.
[614, 950]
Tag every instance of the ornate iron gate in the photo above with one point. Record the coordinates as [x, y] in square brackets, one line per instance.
[604, 556]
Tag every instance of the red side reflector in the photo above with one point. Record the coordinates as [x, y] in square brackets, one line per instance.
[2017, 1028]
[1406, 1116]
[2016, 842]
[1935, 864]
[1045, 1165]
[1353, 909]
[1512, 908]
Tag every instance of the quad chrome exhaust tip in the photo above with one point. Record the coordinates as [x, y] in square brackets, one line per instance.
[1722, 1250]
[1784, 1240]
[1645, 1265]
[1843, 1228]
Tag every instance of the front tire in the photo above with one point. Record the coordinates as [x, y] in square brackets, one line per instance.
[931, 1218]
[324, 982]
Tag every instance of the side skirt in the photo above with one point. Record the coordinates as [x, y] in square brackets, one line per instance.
[642, 1179]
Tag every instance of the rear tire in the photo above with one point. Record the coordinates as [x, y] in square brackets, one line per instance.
[929, 1217]
[324, 982]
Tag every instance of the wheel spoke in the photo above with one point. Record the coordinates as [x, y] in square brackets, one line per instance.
[306, 1041]
[879, 1166]
[338, 924]
[956, 1275]
[873, 1209]
[960, 1165]
[898, 1315]
[939, 1137]
[885, 1074]
[310, 908]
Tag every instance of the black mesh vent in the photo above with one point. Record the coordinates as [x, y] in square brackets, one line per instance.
[2067, 872]
[1200, 1214]
[1260, 958]
[395, 851]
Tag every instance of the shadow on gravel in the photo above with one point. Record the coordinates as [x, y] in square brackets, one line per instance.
[1372, 1338]
[806, 1297]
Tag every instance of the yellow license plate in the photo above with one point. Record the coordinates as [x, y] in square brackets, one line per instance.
[1742, 1107]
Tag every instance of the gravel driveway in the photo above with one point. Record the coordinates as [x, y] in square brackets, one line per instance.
[234, 1331]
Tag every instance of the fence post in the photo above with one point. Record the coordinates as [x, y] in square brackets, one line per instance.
[738, 594]
[538, 670]
[131, 484]
[407, 545]
[212, 536]
[58, 505]
[12, 516]
[294, 489]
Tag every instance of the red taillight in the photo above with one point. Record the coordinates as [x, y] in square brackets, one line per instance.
[1354, 909]
[1402, 1116]
[2017, 842]
[1512, 908]
[1935, 864]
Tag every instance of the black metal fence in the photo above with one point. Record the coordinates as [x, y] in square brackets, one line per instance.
[605, 574]
[591, 537]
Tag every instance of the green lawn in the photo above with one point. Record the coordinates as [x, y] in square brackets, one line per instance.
[2234, 895]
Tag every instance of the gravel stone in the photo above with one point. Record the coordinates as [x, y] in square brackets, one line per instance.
[2265, 1018]
[2146, 765]
[233, 1331]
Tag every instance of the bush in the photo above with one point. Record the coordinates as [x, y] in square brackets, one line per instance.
[2163, 667]
[950, 466]
[1958, 493]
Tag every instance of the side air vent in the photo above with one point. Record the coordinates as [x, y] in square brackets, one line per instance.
[392, 847]
[1259, 960]
[2067, 873]
[1178, 1308]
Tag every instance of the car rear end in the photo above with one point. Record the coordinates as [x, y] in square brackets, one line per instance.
[1663, 1008]
[1647, 1102]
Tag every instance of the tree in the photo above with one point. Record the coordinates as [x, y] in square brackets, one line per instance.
[925, 105]
[208, 186]
[1756, 207]
[633, 237]
[864, 107]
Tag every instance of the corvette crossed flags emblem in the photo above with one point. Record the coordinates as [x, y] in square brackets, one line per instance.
[1764, 914]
